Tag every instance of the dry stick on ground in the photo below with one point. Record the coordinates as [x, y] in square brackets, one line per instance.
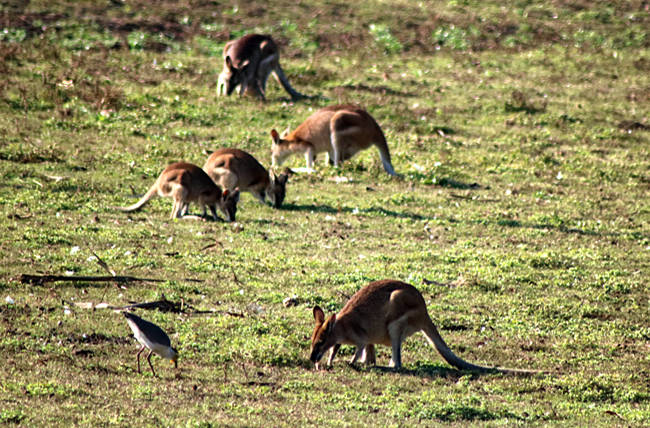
[163, 304]
[103, 264]
[431, 281]
[43, 279]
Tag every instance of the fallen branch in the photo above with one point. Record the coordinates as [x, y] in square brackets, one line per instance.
[163, 305]
[431, 281]
[104, 266]
[43, 279]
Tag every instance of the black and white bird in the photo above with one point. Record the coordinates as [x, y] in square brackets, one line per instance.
[153, 338]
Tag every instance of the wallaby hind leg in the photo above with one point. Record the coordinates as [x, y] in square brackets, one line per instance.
[358, 353]
[369, 356]
[176, 209]
[345, 136]
[213, 210]
[344, 145]
[397, 333]
[310, 157]
[179, 194]
[264, 70]
[226, 179]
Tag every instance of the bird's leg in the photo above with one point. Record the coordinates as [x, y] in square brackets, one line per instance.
[139, 352]
[149, 360]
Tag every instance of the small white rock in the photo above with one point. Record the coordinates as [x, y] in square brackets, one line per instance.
[74, 250]
[9, 300]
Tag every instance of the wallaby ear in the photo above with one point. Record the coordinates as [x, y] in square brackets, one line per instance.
[319, 315]
[229, 63]
[275, 136]
[285, 132]
[244, 64]
[224, 193]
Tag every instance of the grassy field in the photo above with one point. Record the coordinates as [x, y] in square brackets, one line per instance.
[522, 212]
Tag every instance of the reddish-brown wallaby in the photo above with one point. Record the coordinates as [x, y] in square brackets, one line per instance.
[234, 168]
[185, 183]
[384, 312]
[340, 130]
[248, 61]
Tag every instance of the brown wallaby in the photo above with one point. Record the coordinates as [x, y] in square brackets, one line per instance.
[234, 168]
[248, 61]
[185, 183]
[383, 312]
[340, 130]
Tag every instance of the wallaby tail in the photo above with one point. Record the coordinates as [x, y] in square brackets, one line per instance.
[384, 154]
[282, 79]
[432, 335]
[150, 194]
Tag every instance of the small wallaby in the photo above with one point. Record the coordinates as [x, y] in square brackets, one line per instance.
[340, 130]
[185, 183]
[234, 168]
[248, 61]
[384, 312]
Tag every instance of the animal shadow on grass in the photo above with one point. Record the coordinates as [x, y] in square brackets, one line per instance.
[372, 210]
[561, 228]
[423, 370]
[380, 89]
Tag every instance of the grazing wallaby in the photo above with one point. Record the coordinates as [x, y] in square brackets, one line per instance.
[185, 183]
[231, 168]
[248, 61]
[384, 312]
[340, 130]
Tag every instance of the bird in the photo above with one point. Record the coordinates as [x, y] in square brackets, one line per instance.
[153, 338]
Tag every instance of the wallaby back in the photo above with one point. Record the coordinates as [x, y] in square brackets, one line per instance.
[231, 168]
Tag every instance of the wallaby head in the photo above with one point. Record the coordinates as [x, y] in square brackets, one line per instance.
[322, 338]
[277, 189]
[233, 76]
[228, 203]
[280, 150]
